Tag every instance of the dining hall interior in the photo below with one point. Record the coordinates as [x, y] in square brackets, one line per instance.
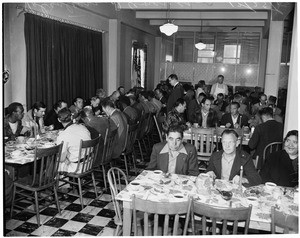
[115, 109]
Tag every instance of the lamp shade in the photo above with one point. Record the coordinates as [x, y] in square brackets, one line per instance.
[200, 46]
[168, 29]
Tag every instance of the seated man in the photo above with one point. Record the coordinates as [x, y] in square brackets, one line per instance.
[76, 108]
[71, 136]
[51, 117]
[35, 117]
[234, 119]
[226, 164]
[174, 155]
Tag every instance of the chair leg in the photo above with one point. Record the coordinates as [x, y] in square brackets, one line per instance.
[56, 199]
[141, 151]
[13, 202]
[104, 177]
[94, 183]
[126, 165]
[80, 193]
[134, 162]
[37, 210]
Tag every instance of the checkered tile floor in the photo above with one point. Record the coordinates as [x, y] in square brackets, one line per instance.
[96, 219]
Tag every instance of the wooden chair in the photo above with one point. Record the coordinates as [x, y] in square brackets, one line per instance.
[218, 215]
[158, 128]
[141, 134]
[117, 182]
[271, 148]
[104, 157]
[129, 145]
[283, 220]
[44, 176]
[88, 151]
[203, 140]
[166, 209]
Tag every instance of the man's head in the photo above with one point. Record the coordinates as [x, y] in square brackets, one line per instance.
[174, 137]
[266, 113]
[220, 97]
[234, 108]
[101, 93]
[16, 111]
[59, 105]
[272, 100]
[86, 113]
[121, 90]
[206, 104]
[78, 103]
[115, 96]
[143, 96]
[180, 105]
[220, 79]
[263, 99]
[173, 79]
[158, 93]
[95, 101]
[64, 116]
[108, 106]
[237, 98]
[39, 109]
[230, 141]
[201, 96]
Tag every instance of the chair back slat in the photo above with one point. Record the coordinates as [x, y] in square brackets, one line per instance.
[158, 128]
[158, 209]
[221, 215]
[45, 167]
[88, 152]
[203, 140]
[143, 125]
[271, 148]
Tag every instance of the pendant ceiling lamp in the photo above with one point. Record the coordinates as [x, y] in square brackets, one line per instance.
[168, 28]
[200, 45]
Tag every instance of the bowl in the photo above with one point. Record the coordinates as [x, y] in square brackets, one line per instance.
[178, 196]
[269, 186]
[157, 172]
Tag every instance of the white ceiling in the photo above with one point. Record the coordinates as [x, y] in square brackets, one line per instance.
[213, 16]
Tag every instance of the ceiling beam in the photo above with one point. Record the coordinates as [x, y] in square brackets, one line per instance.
[202, 15]
[220, 29]
[249, 6]
[247, 23]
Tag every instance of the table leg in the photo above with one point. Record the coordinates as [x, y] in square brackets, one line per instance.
[127, 212]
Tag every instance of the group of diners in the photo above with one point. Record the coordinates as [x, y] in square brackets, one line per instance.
[177, 104]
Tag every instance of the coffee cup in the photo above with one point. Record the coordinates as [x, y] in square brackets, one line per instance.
[269, 186]
[20, 139]
[196, 125]
[135, 185]
[252, 200]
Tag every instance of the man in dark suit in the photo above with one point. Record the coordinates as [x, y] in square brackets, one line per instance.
[177, 92]
[234, 119]
[100, 124]
[174, 156]
[131, 113]
[267, 132]
[120, 120]
[51, 117]
[226, 164]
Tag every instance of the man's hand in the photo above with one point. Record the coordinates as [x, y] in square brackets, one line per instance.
[228, 125]
[236, 180]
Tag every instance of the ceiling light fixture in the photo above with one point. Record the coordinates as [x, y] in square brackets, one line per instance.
[168, 28]
[200, 45]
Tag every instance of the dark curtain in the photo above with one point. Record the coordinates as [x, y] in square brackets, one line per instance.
[63, 61]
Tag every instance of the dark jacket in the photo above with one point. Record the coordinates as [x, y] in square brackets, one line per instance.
[174, 117]
[51, 119]
[212, 118]
[226, 118]
[7, 130]
[241, 159]
[177, 92]
[193, 107]
[264, 134]
[186, 164]
[279, 169]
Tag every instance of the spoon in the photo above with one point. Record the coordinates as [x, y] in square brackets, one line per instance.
[226, 195]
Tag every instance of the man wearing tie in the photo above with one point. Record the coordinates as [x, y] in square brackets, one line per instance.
[177, 92]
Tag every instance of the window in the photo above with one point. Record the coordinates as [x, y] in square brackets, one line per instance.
[231, 54]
